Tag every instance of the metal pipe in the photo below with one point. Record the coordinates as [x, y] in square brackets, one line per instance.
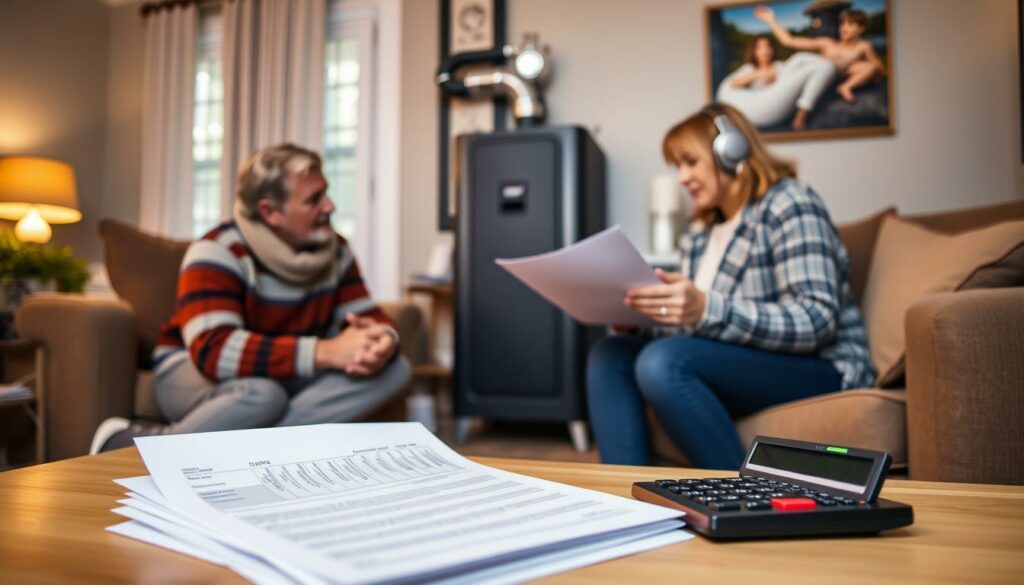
[527, 106]
[446, 72]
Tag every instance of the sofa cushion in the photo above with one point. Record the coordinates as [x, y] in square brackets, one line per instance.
[859, 239]
[867, 419]
[1007, 272]
[911, 262]
[143, 270]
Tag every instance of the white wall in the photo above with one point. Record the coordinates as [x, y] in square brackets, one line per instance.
[629, 70]
[123, 148]
[71, 73]
[53, 92]
[420, 38]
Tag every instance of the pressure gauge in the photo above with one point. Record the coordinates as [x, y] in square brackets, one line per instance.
[529, 64]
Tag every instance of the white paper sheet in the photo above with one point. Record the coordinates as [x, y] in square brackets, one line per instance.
[588, 279]
[362, 503]
[507, 574]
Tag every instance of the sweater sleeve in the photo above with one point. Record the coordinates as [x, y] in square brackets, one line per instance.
[209, 311]
[804, 253]
[353, 297]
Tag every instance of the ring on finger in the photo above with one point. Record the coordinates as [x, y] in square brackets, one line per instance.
[663, 311]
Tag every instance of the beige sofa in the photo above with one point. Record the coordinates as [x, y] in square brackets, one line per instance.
[958, 415]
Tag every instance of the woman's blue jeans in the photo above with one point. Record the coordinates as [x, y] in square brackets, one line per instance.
[695, 387]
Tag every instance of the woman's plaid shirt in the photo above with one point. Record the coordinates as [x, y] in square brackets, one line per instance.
[783, 283]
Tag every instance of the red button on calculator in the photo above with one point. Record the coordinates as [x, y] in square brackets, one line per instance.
[793, 504]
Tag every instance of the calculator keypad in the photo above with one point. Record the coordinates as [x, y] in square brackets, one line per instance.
[750, 493]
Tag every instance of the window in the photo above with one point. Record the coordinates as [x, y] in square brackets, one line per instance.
[348, 87]
[207, 126]
[348, 84]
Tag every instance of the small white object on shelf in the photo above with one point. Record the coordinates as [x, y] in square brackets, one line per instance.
[14, 392]
[665, 213]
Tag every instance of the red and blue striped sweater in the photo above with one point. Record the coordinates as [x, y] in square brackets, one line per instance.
[235, 319]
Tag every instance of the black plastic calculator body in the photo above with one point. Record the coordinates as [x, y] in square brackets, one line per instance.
[785, 489]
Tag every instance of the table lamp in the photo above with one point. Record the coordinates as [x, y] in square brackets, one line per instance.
[35, 192]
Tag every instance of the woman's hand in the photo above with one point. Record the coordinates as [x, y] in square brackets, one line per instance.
[767, 75]
[764, 14]
[677, 302]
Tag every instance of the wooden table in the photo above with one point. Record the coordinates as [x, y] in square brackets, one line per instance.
[54, 515]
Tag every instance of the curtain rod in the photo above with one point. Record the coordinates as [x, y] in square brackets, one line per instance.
[150, 7]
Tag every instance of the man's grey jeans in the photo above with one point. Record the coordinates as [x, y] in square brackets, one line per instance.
[194, 404]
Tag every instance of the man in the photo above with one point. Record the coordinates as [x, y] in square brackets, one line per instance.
[273, 325]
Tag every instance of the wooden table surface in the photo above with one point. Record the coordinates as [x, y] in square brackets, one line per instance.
[53, 517]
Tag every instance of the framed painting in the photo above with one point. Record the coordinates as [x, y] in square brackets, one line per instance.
[466, 25]
[804, 68]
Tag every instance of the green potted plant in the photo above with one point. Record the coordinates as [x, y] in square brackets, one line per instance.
[26, 268]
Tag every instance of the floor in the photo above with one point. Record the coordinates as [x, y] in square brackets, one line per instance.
[517, 440]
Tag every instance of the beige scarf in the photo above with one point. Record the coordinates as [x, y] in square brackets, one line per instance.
[294, 267]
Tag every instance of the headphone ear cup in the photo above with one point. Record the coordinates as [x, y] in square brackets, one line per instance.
[730, 146]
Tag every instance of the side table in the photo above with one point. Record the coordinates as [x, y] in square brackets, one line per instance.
[34, 405]
[423, 406]
[440, 295]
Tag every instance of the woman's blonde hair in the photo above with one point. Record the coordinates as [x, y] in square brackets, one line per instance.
[695, 134]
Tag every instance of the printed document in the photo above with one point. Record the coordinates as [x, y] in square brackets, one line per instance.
[589, 279]
[374, 502]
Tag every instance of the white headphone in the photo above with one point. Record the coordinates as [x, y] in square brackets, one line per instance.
[730, 146]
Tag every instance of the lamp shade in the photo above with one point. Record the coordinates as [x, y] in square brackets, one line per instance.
[43, 184]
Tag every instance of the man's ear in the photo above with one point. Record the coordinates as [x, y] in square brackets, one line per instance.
[269, 213]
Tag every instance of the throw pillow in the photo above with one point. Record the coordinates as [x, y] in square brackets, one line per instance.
[143, 270]
[1007, 272]
[859, 238]
[911, 262]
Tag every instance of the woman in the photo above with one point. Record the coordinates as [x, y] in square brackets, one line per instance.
[759, 314]
[769, 91]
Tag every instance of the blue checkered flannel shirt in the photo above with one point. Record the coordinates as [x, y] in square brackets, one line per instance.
[783, 283]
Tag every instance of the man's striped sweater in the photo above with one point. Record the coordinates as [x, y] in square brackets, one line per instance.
[236, 319]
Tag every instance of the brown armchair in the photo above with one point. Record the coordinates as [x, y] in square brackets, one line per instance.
[98, 349]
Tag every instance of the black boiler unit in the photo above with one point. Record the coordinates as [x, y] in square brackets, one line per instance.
[521, 193]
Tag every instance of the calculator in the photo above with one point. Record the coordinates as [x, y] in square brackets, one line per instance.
[787, 488]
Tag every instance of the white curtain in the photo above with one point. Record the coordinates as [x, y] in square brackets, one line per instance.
[273, 79]
[165, 204]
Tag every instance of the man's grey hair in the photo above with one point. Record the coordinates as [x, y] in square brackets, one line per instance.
[267, 173]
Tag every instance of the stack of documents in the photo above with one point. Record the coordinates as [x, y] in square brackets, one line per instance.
[366, 503]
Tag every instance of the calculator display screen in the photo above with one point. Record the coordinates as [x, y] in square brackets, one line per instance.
[842, 472]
